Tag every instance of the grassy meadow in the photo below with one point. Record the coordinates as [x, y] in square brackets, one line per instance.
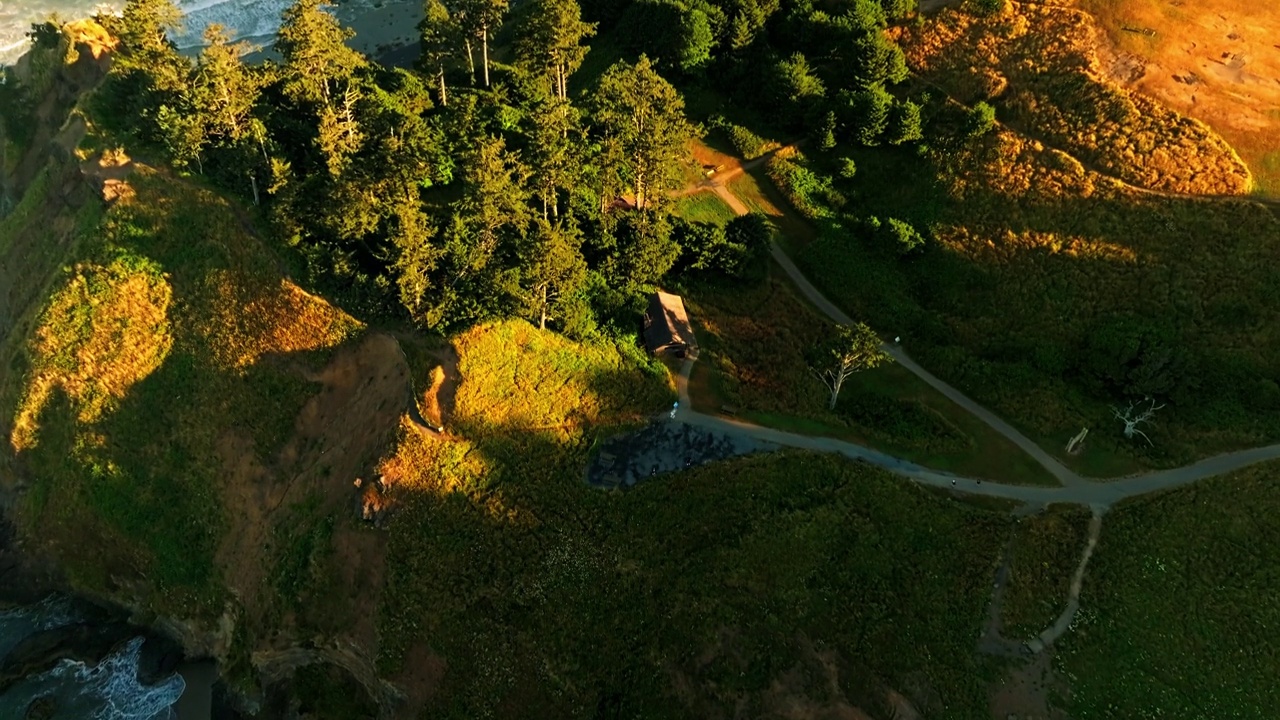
[1181, 594]
[1049, 291]
[1032, 257]
[1035, 63]
[753, 341]
[687, 596]
[167, 324]
[1046, 552]
[704, 207]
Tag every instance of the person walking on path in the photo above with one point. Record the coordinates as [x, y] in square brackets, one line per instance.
[674, 407]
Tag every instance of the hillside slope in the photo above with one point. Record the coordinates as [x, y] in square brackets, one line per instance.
[168, 397]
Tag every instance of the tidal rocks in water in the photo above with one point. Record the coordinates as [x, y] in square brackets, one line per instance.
[86, 642]
[160, 658]
[91, 633]
[41, 709]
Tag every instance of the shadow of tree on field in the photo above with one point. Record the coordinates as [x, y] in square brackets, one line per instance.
[541, 592]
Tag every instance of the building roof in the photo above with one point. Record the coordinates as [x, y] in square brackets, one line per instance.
[667, 323]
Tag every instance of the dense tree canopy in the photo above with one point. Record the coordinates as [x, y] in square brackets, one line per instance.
[408, 191]
[640, 117]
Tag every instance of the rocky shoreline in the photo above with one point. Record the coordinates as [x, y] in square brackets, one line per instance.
[95, 630]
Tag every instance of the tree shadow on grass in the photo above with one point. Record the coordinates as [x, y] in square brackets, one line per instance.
[700, 580]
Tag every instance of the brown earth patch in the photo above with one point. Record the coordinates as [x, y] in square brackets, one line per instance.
[358, 554]
[709, 157]
[423, 671]
[1215, 60]
[1024, 692]
[338, 436]
[438, 401]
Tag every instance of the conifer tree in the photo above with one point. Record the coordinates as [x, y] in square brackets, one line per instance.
[550, 42]
[318, 66]
[641, 117]
[480, 19]
[438, 31]
[556, 270]
[553, 136]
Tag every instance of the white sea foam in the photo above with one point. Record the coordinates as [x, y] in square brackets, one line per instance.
[107, 691]
[241, 18]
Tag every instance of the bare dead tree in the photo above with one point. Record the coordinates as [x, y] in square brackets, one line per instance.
[1131, 421]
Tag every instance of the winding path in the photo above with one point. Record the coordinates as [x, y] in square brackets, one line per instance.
[1098, 494]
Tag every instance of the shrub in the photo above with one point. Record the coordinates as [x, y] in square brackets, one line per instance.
[746, 143]
[903, 235]
[902, 421]
[979, 121]
[810, 193]
[987, 7]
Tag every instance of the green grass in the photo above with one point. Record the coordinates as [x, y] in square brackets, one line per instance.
[753, 342]
[1032, 255]
[1004, 302]
[704, 207]
[1267, 175]
[24, 211]
[168, 328]
[548, 597]
[1179, 598]
[758, 193]
[1046, 551]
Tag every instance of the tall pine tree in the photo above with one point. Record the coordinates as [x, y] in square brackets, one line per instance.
[640, 117]
[550, 43]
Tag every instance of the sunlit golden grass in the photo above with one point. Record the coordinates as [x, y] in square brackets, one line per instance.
[1037, 64]
[515, 377]
[105, 330]
[1214, 60]
[171, 327]
[428, 465]
[759, 194]
[245, 323]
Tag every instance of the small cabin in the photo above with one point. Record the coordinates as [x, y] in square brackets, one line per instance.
[666, 326]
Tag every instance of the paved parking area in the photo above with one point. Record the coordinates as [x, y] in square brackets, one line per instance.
[664, 446]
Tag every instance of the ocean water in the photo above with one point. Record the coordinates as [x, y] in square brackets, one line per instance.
[107, 691]
[243, 18]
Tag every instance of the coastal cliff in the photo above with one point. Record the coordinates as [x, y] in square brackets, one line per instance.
[171, 409]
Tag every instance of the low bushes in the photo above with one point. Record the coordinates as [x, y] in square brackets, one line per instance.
[746, 144]
[1037, 64]
[810, 193]
[1180, 594]
[902, 422]
[1045, 554]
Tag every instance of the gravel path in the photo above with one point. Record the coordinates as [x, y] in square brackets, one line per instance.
[1074, 488]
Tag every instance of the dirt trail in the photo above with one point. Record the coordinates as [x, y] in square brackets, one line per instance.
[1063, 623]
[718, 183]
[1075, 488]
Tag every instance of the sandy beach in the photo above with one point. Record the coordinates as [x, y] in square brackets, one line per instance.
[386, 31]
[386, 26]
